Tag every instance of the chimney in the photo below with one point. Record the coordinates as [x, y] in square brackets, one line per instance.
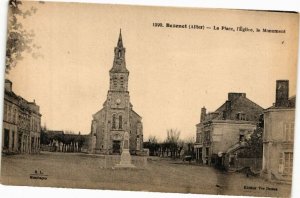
[8, 85]
[282, 93]
[228, 105]
[203, 114]
[226, 112]
[232, 96]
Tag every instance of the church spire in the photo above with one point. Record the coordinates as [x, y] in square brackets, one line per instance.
[119, 64]
[120, 42]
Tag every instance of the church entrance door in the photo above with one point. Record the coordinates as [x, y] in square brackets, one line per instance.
[116, 147]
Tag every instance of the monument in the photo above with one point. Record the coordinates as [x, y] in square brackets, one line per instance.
[125, 161]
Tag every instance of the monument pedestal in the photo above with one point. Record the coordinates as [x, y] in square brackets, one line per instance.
[125, 160]
[125, 156]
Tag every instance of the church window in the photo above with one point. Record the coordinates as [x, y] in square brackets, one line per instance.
[122, 81]
[115, 81]
[120, 122]
[114, 122]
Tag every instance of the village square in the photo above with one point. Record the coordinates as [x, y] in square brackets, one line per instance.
[241, 147]
[228, 147]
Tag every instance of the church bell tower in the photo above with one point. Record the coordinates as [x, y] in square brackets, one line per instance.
[117, 117]
[119, 73]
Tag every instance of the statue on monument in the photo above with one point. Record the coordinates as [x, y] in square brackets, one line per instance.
[125, 155]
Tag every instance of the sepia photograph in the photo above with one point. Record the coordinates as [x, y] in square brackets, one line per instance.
[149, 98]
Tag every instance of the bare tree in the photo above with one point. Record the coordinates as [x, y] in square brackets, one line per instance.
[153, 139]
[189, 146]
[190, 140]
[173, 135]
[172, 141]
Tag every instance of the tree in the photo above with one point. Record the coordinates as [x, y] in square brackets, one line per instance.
[173, 135]
[152, 145]
[189, 142]
[255, 142]
[180, 147]
[19, 40]
[153, 139]
[45, 140]
[172, 141]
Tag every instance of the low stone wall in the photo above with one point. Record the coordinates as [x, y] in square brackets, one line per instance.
[47, 148]
[240, 163]
[138, 161]
[254, 163]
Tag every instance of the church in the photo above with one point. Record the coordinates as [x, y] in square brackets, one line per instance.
[117, 115]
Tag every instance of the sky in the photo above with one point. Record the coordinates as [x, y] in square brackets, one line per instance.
[173, 71]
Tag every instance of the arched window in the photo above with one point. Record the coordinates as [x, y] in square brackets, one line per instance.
[120, 122]
[114, 122]
[122, 81]
[115, 81]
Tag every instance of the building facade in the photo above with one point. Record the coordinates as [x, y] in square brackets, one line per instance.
[278, 138]
[21, 123]
[225, 129]
[117, 115]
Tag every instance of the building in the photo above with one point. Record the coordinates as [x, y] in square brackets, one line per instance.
[21, 123]
[278, 138]
[226, 129]
[117, 115]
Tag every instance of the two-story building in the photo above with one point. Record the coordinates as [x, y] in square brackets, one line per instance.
[21, 123]
[226, 128]
[278, 138]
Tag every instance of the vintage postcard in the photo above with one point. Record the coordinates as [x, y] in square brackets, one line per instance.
[141, 98]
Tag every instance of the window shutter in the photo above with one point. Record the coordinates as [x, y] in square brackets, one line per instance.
[292, 131]
[281, 163]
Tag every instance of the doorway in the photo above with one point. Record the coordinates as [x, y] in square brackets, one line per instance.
[6, 139]
[116, 147]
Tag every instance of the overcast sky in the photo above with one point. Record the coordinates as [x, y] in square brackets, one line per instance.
[173, 72]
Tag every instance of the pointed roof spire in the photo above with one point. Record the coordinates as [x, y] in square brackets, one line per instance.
[119, 64]
[120, 42]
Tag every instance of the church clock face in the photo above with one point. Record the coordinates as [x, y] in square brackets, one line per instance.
[118, 101]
